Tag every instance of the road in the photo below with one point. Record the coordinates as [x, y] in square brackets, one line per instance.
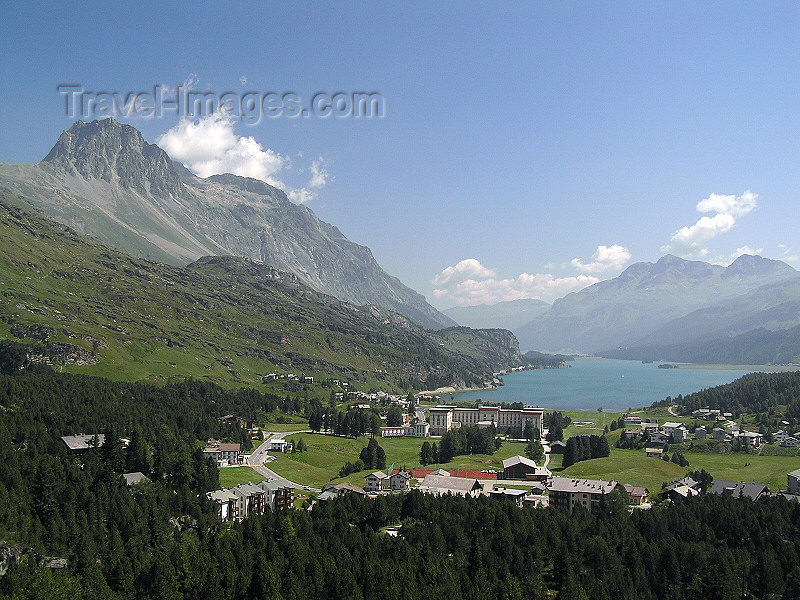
[256, 461]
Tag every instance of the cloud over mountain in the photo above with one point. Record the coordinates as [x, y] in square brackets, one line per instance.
[209, 146]
[690, 240]
[605, 258]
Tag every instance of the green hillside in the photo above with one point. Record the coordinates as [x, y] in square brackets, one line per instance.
[92, 309]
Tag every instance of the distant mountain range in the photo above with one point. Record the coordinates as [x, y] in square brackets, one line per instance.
[505, 315]
[104, 180]
[677, 310]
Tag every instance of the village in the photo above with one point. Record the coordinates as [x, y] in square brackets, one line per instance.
[521, 480]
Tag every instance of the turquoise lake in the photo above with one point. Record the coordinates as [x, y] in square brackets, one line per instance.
[614, 385]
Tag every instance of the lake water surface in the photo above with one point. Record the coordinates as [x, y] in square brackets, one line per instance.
[614, 385]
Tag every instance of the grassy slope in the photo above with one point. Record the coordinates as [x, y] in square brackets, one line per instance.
[327, 454]
[232, 476]
[229, 321]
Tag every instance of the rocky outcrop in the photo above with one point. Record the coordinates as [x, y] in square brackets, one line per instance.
[105, 181]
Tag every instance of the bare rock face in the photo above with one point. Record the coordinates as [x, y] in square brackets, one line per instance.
[103, 180]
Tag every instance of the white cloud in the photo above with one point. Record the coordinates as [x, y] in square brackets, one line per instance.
[319, 174]
[605, 258]
[540, 286]
[727, 260]
[690, 240]
[469, 267]
[209, 146]
[470, 283]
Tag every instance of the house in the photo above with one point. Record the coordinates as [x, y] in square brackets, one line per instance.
[334, 490]
[222, 454]
[280, 445]
[658, 438]
[515, 496]
[519, 467]
[440, 485]
[719, 434]
[631, 433]
[557, 447]
[251, 498]
[790, 442]
[676, 432]
[566, 493]
[536, 500]
[700, 433]
[793, 482]
[737, 489]
[134, 478]
[633, 420]
[376, 481]
[654, 452]
[400, 481]
[681, 489]
[751, 438]
[80, 444]
[649, 426]
[418, 430]
[636, 495]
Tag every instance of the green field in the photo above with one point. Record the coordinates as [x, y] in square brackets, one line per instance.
[327, 454]
[232, 476]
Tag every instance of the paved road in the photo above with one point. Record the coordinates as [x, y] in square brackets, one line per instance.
[256, 461]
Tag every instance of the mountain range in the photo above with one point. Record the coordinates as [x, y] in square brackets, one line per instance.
[678, 310]
[104, 180]
[93, 309]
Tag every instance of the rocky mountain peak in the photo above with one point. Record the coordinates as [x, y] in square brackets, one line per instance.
[114, 152]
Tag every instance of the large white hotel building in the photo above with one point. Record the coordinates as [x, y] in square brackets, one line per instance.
[444, 418]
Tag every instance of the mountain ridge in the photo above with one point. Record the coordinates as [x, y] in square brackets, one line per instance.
[645, 299]
[104, 180]
[225, 319]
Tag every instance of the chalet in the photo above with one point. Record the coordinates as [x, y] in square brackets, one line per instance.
[222, 454]
[566, 493]
[519, 467]
[557, 447]
[751, 438]
[134, 478]
[681, 489]
[280, 445]
[440, 485]
[654, 452]
[793, 482]
[376, 482]
[636, 495]
[334, 490]
[790, 442]
[400, 481]
[80, 444]
[737, 489]
[700, 433]
[631, 433]
[676, 432]
[658, 438]
[719, 434]
[506, 495]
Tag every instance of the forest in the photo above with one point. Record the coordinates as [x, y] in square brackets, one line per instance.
[161, 539]
[778, 393]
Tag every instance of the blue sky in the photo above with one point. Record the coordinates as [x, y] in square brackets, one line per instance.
[523, 152]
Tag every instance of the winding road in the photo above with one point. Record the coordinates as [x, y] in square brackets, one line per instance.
[256, 461]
